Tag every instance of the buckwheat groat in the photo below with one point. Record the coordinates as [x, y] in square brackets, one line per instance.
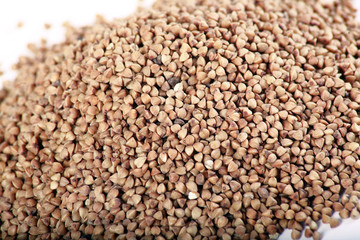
[200, 119]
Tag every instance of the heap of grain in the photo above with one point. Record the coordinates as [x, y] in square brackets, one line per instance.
[194, 119]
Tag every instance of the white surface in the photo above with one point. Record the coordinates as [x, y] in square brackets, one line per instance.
[34, 14]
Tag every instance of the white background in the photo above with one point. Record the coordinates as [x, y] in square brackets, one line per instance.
[34, 14]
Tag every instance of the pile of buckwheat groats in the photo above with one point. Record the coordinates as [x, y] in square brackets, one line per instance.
[206, 119]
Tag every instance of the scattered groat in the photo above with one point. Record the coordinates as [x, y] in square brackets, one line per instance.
[47, 26]
[201, 119]
[19, 24]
